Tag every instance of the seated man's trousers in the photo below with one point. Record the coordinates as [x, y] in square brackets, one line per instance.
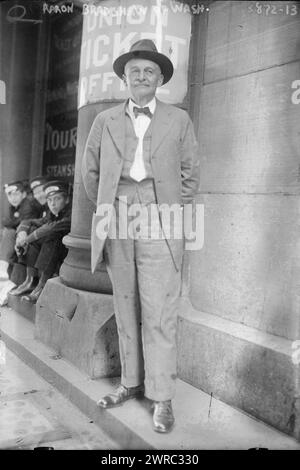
[46, 255]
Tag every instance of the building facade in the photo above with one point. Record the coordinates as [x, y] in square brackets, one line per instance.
[238, 76]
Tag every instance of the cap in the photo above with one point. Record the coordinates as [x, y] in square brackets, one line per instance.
[14, 186]
[56, 186]
[38, 181]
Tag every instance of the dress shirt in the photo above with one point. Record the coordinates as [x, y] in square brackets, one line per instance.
[140, 125]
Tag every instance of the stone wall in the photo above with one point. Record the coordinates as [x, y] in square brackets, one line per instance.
[250, 152]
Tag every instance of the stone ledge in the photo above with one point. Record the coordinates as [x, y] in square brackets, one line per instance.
[248, 369]
[238, 330]
[202, 422]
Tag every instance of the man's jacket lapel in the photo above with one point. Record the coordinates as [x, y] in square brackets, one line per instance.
[116, 128]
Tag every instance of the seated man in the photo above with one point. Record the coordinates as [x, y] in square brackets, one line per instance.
[20, 207]
[36, 194]
[39, 241]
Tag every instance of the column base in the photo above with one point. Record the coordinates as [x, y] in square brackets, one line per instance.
[76, 269]
[79, 326]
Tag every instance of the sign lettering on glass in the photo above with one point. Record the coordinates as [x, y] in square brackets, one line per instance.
[109, 30]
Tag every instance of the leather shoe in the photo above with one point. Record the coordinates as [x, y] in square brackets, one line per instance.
[33, 297]
[121, 395]
[26, 286]
[163, 418]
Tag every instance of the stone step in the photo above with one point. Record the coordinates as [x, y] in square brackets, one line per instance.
[202, 422]
[247, 368]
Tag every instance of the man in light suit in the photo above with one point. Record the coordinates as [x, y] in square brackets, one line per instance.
[142, 152]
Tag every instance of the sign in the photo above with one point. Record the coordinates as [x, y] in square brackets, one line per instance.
[60, 145]
[110, 28]
[62, 90]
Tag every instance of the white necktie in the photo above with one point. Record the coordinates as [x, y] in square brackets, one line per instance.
[138, 170]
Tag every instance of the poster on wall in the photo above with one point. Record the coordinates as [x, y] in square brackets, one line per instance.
[60, 145]
[61, 108]
[109, 29]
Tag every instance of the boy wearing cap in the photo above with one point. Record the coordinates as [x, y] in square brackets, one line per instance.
[39, 243]
[20, 207]
[142, 152]
[39, 201]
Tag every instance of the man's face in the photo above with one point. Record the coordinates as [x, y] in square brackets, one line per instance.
[16, 197]
[57, 202]
[142, 77]
[39, 195]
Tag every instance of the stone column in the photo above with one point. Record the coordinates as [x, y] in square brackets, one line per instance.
[95, 80]
[76, 269]
[74, 314]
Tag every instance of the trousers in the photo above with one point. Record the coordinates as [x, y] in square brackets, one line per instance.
[146, 288]
[46, 255]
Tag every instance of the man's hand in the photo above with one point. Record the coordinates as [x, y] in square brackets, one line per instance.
[21, 245]
[21, 239]
[21, 250]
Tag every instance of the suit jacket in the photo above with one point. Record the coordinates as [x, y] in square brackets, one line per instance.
[174, 160]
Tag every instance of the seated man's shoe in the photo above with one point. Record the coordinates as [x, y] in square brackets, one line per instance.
[121, 395]
[163, 418]
[27, 286]
[33, 297]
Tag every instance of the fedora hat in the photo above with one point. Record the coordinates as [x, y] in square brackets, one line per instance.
[145, 49]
